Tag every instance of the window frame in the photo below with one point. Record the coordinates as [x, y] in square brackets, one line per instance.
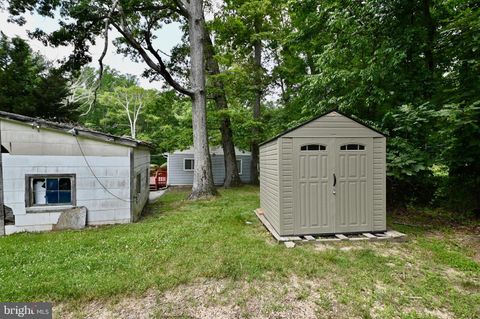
[29, 196]
[321, 147]
[189, 169]
[359, 145]
[138, 183]
[240, 169]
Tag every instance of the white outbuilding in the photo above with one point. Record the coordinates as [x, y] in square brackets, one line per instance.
[324, 176]
[54, 172]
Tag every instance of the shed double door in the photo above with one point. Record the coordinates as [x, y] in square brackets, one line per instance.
[332, 185]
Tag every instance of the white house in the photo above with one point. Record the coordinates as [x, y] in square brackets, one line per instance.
[52, 169]
[181, 163]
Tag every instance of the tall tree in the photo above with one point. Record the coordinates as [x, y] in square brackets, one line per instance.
[136, 21]
[245, 30]
[29, 85]
[232, 177]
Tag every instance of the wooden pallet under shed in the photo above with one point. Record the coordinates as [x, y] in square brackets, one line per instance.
[388, 235]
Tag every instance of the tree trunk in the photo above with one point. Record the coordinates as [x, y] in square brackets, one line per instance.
[202, 177]
[232, 178]
[257, 46]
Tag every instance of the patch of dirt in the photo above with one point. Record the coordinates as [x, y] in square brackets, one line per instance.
[127, 307]
[222, 299]
[435, 313]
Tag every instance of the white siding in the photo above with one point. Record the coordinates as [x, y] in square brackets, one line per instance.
[270, 183]
[333, 124]
[103, 208]
[49, 151]
[379, 184]
[23, 139]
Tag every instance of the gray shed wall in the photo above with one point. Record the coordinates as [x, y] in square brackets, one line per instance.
[270, 183]
[379, 184]
[140, 167]
[178, 176]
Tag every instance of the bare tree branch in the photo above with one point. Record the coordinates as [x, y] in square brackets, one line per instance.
[102, 56]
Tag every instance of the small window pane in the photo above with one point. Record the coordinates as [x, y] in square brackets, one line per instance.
[313, 147]
[189, 164]
[352, 147]
[65, 184]
[52, 197]
[52, 184]
[38, 185]
[65, 197]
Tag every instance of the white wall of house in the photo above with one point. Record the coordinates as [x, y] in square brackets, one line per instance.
[47, 151]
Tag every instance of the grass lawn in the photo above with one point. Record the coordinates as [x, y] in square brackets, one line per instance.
[213, 258]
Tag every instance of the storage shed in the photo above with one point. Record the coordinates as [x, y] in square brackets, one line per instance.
[324, 176]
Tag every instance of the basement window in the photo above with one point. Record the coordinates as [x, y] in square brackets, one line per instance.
[188, 164]
[50, 190]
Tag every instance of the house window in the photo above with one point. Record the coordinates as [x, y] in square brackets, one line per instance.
[138, 183]
[352, 147]
[188, 164]
[50, 190]
[313, 147]
[239, 166]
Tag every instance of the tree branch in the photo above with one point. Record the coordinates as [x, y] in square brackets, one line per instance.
[102, 56]
[183, 7]
[160, 67]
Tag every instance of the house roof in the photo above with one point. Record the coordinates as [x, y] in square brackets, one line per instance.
[79, 130]
[217, 150]
[316, 118]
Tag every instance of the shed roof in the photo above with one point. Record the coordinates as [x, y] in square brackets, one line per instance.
[79, 130]
[316, 118]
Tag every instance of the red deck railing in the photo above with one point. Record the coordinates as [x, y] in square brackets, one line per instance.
[159, 180]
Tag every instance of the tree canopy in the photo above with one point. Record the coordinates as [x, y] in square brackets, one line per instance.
[409, 68]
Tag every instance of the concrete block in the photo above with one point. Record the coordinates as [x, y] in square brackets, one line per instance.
[75, 218]
[289, 244]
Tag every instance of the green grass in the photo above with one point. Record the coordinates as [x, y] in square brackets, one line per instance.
[179, 242]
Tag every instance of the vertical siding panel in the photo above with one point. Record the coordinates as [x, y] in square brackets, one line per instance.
[379, 184]
[286, 171]
[270, 183]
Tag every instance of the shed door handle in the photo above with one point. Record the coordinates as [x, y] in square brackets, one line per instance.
[334, 180]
